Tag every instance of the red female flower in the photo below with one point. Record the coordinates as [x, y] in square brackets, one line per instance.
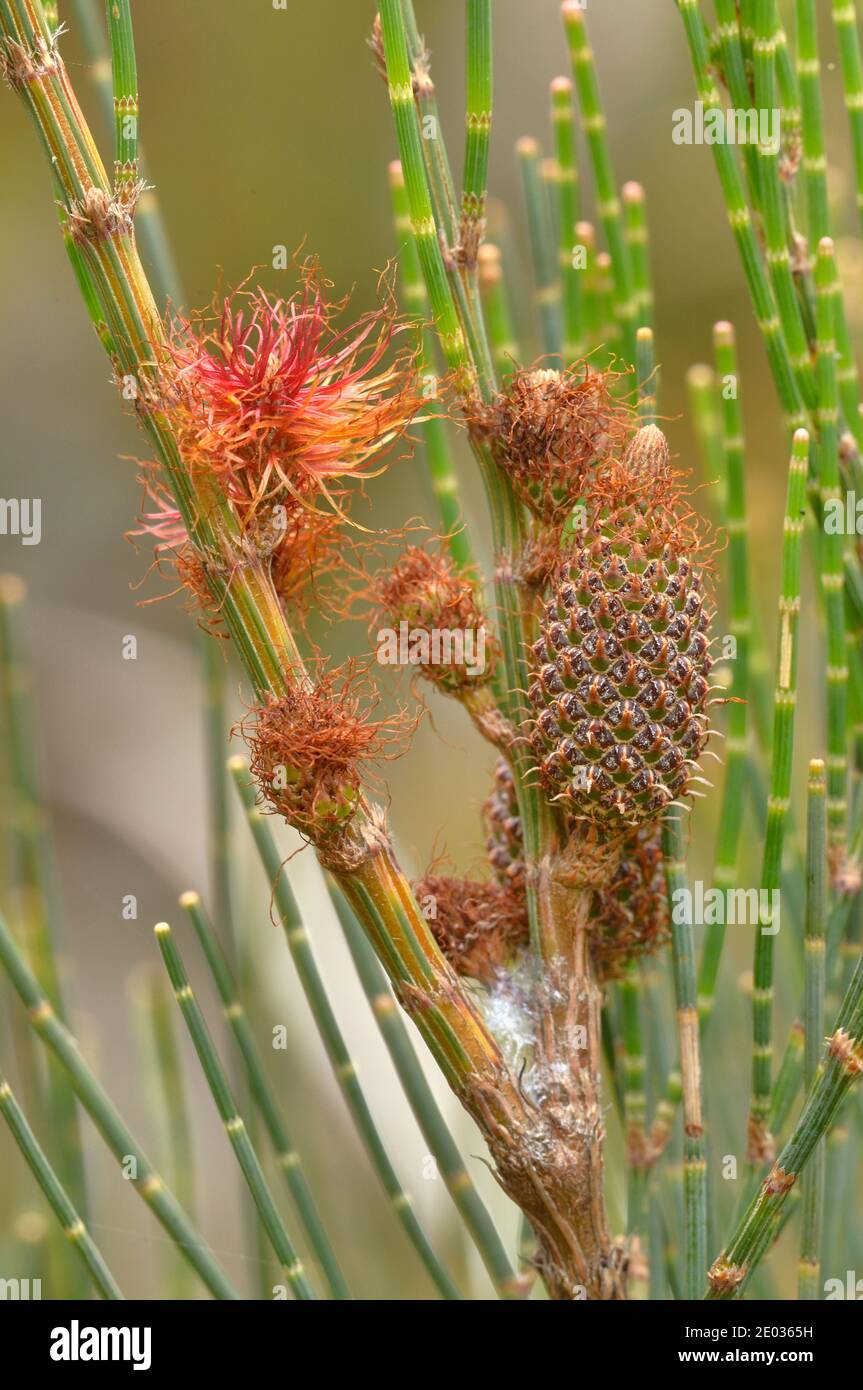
[280, 404]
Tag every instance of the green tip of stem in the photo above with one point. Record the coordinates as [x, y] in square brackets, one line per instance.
[526, 147]
[190, 899]
[633, 192]
[825, 246]
[396, 174]
[699, 376]
[817, 778]
[162, 929]
[573, 12]
[13, 590]
[489, 263]
[236, 764]
[644, 335]
[723, 333]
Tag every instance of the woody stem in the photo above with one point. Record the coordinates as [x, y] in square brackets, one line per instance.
[568, 1049]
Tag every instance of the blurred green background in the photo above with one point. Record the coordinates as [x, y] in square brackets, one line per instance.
[268, 127]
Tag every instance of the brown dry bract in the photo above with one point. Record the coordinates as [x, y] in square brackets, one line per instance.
[724, 1277]
[485, 924]
[99, 214]
[421, 77]
[760, 1144]
[847, 1051]
[778, 1181]
[21, 65]
[478, 926]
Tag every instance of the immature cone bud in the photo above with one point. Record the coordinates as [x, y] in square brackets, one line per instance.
[548, 431]
[308, 750]
[621, 688]
[305, 763]
[428, 614]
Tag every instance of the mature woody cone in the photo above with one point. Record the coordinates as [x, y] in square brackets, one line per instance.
[505, 839]
[482, 927]
[630, 916]
[621, 688]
